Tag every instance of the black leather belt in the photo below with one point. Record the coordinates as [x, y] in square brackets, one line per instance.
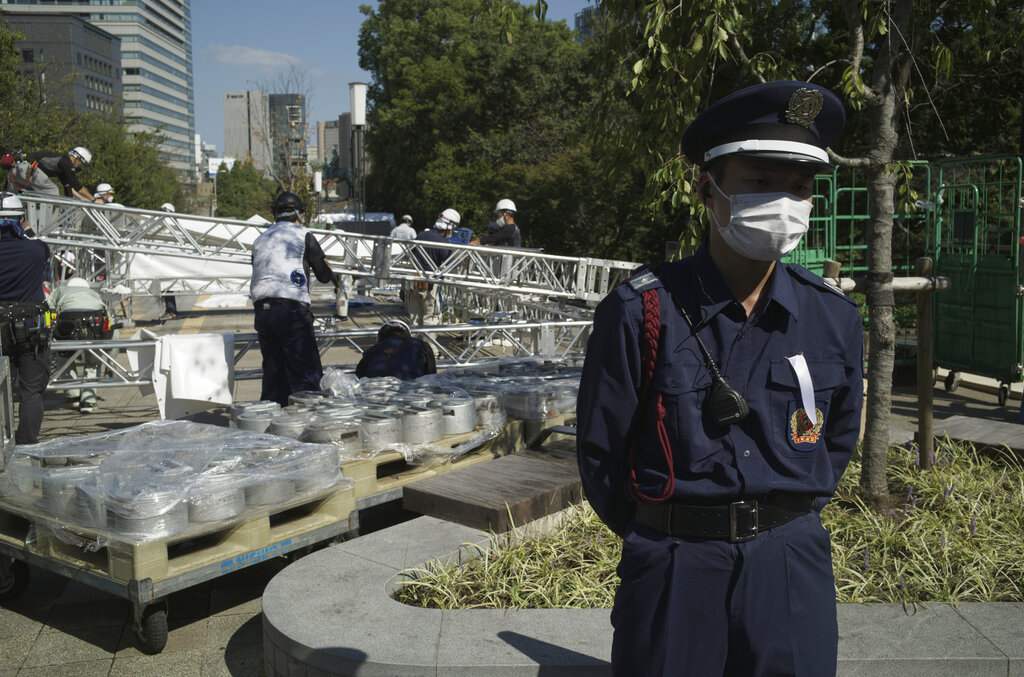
[736, 522]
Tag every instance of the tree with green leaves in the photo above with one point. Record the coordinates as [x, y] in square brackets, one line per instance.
[893, 61]
[477, 101]
[242, 192]
[29, 121]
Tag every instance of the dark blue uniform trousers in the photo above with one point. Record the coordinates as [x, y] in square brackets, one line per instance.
[33, 369]
[291, 361]
[700, 607]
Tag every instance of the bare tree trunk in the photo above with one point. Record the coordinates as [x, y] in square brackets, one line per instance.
[881, 338]
[881, 183]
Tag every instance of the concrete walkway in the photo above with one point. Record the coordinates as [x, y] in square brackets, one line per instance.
[331, 614]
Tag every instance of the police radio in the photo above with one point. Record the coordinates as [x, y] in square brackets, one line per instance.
[725, 404]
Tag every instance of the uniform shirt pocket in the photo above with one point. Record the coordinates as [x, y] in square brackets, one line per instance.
[792, 429]
[683, 383]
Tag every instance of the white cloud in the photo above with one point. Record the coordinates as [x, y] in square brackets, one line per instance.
[251, 56]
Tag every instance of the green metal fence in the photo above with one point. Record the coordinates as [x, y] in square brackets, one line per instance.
[978, 235]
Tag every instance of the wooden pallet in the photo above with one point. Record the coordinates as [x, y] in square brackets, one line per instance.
[198, 546]
[389, 469]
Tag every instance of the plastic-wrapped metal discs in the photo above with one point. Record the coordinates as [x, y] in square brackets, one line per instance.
[240, 408]
[89, 509]
[421, 425]
[17, 479]
[459, 416]
[343, 433]
[59, 489]
[380, 431]
[290, 425]
[488, 409]
[316, 469]
[215, 498]
[307, 397]
[146, 511]
[256, 421]
[270, 491]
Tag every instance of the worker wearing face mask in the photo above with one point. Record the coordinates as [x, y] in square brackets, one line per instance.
[719, 405]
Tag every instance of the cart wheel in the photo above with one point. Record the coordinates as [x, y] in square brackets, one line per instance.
[14, 582]
[153, 633]
[952, 381]
[1004, 393]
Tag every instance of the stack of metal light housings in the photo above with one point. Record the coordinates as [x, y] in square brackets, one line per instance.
[383, 414]
[530, 388]
[161, 478]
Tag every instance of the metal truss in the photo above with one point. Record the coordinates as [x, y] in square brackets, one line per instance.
[455, 345]
[104, 241]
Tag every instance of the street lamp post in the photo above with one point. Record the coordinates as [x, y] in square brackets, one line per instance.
[357, 116]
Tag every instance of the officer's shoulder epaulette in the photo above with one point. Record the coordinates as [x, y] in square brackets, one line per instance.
[814, 280]
[640, 280]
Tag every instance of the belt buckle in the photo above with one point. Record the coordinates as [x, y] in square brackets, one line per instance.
[743, 521]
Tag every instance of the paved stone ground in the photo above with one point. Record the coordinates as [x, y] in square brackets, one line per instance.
[67, 628]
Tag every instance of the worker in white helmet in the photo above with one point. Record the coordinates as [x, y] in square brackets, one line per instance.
[170, 302]
[33, 171]
[104, 194]
[503, 232]
[423, 302]
[404, 230]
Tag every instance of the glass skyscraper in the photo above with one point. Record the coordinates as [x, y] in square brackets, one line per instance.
[156, 63]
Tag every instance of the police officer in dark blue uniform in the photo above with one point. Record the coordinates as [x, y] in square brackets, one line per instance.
[719, 404]
[25, 320]
[397, 354]
[282, 259]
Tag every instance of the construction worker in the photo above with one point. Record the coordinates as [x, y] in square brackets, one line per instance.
[104, 194]
[170, 303]
[32, 172]
[282, 259]
[81, 316]
[404, 230]
[503, 232]
[397, 354]
[423, 302]
[25, 318]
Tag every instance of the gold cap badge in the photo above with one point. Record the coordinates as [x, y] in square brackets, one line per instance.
[804, 106]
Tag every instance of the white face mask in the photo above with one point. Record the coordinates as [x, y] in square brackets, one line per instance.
[764, 226]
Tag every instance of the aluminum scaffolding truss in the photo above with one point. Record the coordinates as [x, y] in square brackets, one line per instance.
[522, 301]
[207, 255]
[455, 345]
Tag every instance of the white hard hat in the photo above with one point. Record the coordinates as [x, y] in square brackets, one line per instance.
[77, 282]
[104, 188]
[407, 219]
[82, 154]
[505, 205]
[11, 206]
[167, 207]
[450, 215]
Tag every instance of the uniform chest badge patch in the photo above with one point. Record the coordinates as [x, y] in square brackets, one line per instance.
[298, 279]
[802, 431]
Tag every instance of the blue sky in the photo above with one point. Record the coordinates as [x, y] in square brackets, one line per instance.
[237, 44]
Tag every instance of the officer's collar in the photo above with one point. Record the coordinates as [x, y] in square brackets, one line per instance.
[714, 295]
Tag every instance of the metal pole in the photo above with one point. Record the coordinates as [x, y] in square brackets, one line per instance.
[925, 436]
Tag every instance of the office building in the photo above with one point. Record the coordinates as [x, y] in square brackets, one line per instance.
[585, 20]
[156, 64]
[78, 64]
[327, 141]
[247, 127]
[288, 132]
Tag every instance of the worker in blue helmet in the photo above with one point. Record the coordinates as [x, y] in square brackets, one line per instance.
[283, 257]
[719, 405]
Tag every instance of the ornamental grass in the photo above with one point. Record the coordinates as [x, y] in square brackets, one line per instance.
[954, 533]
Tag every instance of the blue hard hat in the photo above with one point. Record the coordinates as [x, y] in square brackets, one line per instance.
[787, 120]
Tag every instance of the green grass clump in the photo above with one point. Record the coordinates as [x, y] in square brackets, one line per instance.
[955, 534]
